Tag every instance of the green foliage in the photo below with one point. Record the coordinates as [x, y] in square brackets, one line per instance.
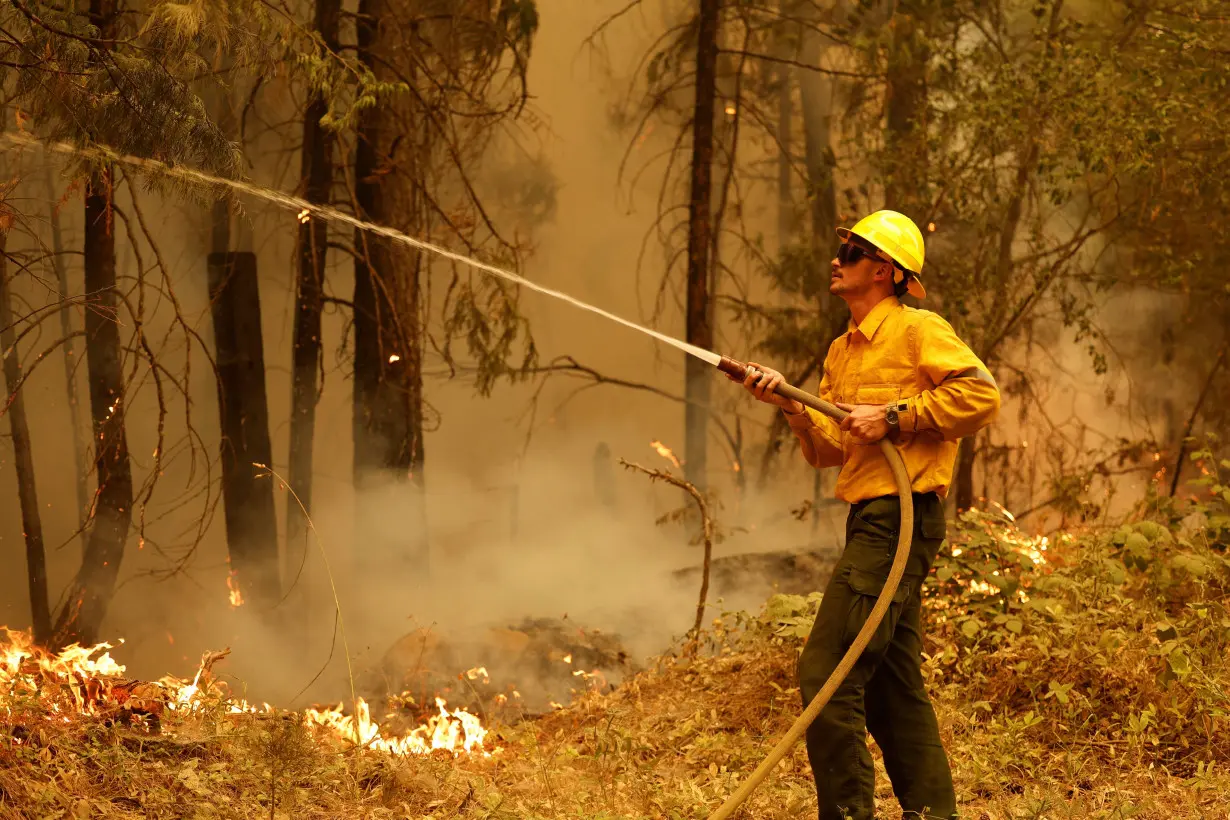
[133, 89]
[789, 616]
[1119, 634]
[1214, 508]
[1116, 637]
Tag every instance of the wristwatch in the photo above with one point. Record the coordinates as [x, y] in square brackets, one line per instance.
[892, 415]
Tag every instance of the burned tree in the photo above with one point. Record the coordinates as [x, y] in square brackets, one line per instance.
[91, 78]
[31, 523]
[243, 409]
[388, 341]
[419, 147]
[698, 374]
[316, 171]
[90, 593]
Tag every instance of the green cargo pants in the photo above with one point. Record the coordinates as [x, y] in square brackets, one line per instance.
[884, 692]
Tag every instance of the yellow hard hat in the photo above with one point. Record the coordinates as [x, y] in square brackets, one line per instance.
[896, 235]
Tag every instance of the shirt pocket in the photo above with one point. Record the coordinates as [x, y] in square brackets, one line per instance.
[878, 394]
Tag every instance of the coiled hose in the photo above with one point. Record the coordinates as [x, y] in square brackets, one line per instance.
[738, 371]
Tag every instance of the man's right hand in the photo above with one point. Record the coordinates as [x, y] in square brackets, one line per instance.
[762, 383]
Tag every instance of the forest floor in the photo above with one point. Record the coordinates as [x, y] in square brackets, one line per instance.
[1084, 677]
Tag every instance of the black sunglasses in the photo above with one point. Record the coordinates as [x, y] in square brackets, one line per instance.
[848, 253]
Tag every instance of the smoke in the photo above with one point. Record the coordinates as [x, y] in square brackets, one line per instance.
[526, 515]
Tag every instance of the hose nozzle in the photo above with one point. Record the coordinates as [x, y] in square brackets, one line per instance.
[737, 371]
[733, 368]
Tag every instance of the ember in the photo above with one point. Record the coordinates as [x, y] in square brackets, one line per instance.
[666, 452]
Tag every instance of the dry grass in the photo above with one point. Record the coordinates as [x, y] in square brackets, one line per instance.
[677, 738]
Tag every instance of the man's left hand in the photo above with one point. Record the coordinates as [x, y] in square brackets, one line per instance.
[865, 423]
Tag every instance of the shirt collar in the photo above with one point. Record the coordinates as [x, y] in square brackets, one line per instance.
[872, 321]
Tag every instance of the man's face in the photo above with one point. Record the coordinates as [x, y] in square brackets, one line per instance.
[856, 277]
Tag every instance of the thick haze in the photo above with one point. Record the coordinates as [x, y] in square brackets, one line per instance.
[517, 527]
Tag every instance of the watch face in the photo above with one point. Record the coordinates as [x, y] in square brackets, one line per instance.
[890, 415]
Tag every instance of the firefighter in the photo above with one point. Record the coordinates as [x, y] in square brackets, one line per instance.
[901, 373]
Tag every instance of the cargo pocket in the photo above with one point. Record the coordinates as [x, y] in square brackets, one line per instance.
[866, 588]
[933, 528]
[929, 537]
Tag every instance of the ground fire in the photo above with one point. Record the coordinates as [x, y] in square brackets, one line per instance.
[87, 684]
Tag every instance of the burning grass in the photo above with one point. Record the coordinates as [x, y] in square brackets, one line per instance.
[1088, 680]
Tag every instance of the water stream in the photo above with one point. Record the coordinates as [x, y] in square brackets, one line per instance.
[303, 207]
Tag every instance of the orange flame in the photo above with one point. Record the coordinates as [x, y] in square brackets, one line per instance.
[232, 584]
[94, 680]
[665, 452]
[457, 731]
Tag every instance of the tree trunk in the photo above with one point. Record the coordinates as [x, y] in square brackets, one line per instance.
[698, 374]
[963, 480]
[70, 357]
[89, 596]
[388, 379]
[243, 411]
[23, 458]
[316, 163]
[905, 187]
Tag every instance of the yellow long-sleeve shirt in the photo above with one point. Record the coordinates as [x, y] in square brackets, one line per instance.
[899, 354]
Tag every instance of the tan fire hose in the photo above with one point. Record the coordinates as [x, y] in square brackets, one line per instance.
[738, 370]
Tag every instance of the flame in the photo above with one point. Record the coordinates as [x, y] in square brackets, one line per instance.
[595, 678]
[304, 216]
[665, 452]
[457, 731]
[393, 358]
[87, 682]
[232, 584]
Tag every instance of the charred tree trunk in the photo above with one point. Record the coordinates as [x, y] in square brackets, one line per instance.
[243, 411]
[250, 514]
[316, 164]
[388, 383]
[23, 458]
[90, 594]
[698, 375]
[70, 357]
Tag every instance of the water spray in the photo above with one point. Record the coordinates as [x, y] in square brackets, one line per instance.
[733, 368]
